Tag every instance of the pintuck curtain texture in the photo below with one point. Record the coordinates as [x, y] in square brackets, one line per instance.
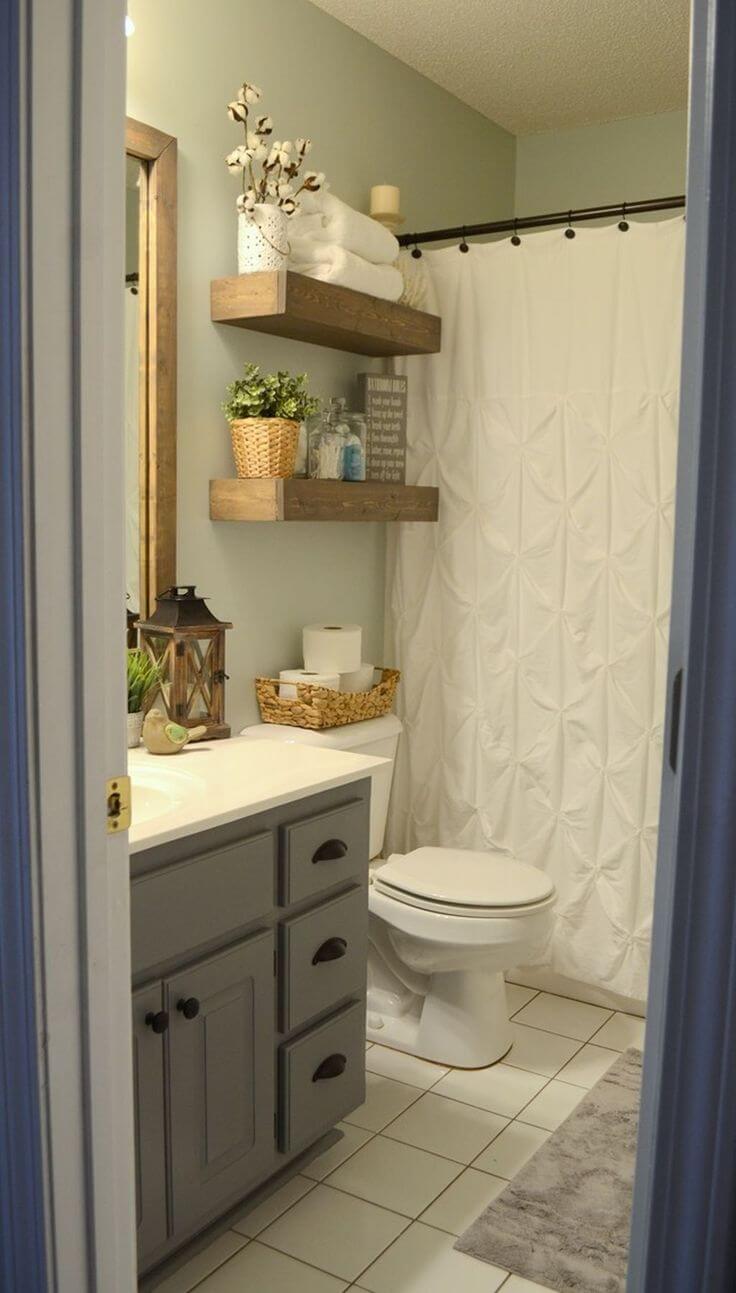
[531, 623]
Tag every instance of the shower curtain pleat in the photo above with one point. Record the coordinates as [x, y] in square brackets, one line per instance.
[531, 622]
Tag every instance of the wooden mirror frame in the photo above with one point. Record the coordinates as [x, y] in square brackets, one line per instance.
[157, 419]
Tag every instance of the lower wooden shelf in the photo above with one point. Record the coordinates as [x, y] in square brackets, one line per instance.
[296, 499]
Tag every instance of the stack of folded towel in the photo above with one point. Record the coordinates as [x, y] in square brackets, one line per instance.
[330, 241]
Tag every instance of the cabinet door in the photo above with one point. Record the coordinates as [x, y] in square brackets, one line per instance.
[221, 1078]
[148, 1095]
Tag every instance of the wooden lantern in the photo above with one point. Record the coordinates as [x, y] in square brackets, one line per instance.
[187, 642]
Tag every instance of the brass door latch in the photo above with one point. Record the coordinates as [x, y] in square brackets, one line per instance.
[118, 805]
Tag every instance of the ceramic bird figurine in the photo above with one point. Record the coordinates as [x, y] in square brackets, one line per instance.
[161, 736]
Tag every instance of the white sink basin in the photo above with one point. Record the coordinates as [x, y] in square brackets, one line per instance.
[159, 790]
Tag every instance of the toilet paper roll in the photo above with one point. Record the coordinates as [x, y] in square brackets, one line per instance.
[332, 648]
[359, 680]
[287, 689]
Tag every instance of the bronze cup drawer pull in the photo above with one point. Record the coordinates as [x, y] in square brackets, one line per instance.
[332, 1067]
[330, 851]
[331, 950]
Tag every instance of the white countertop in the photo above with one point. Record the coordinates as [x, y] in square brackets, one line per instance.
[213, 782]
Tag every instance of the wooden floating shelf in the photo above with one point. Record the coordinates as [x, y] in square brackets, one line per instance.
[297, 499]
[305, 309]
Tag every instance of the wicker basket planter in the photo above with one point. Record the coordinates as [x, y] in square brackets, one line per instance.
[320, 707]
[264, 446]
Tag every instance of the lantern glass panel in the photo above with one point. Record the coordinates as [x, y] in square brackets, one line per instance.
[200, 667]
[158, 647]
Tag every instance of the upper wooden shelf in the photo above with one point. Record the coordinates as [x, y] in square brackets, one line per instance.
[305, 309]
[297, 499]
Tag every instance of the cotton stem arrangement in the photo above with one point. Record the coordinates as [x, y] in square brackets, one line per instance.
[270, 170]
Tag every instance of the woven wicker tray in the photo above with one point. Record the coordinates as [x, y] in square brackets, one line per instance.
[321, 707]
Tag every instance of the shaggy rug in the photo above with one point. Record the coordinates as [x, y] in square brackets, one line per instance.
[564, 1220]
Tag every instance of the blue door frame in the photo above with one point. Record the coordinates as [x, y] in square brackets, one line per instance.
[22, 1222]
[684, 1217]
[684, 1226]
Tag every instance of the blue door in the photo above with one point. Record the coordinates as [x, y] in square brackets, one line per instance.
[684, 1223]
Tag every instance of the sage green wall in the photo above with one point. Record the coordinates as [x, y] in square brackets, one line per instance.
[637, 157]
[373, 121]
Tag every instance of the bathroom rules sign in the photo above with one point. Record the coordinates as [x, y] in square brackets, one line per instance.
[383, 399]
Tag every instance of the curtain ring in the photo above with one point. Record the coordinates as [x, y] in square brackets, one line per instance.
[417, 252]
[569, 232]
[463, 245]
[623, 223]
[515, 239]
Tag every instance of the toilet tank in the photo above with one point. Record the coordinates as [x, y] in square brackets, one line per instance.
[378, 737]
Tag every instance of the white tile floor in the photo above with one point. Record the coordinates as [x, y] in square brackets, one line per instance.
[418, 1162]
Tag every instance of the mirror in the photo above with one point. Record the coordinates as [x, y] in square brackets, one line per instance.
[150, 366]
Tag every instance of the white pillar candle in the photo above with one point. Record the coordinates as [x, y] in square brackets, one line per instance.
[385, 200]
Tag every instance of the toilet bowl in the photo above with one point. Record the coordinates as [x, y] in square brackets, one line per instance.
[445, 924]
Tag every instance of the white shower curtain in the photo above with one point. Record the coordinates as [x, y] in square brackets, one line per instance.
[531, 623]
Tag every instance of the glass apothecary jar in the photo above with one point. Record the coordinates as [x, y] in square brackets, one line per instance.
[326, 449]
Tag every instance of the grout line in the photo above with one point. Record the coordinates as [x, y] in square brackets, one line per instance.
[418, 1096]
[607, 1021]
[408, 1216]
[447, 1188]
[526, 1003]
[399, 1215]
[445, 1157]
[198, 1284]
[445, 1234]
[311, 1183]
[423, 1090]
[537, 1029]
[320, 1180]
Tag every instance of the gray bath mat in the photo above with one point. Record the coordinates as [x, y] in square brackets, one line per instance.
[564, 1220]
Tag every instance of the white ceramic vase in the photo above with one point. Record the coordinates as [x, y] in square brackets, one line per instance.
[135, 727]
[262, 239]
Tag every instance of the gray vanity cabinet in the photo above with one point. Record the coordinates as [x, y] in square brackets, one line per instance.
[249, 953]
[221, 1103]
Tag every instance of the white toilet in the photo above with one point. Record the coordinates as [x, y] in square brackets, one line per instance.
[445, 924]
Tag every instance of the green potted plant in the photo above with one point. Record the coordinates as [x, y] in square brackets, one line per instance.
[144, 676]
[264, 411]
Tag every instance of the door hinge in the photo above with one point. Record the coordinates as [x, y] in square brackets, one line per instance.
[275, 962]
[117, 797]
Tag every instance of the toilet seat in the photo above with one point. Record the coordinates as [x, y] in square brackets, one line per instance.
[457, 882]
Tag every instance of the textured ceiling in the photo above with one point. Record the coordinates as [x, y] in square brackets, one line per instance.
[534, 65]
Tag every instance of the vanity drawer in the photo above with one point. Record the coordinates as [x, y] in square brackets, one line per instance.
[192, 903]
[324, 850]
[322, 1077]
[324, 955]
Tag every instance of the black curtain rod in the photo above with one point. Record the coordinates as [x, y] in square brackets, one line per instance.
[622, 209]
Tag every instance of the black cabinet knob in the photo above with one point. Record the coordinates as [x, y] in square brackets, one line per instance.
[188, 1007]
[332, 950]
[332, 1067]
[330, 851]
[158, 1020]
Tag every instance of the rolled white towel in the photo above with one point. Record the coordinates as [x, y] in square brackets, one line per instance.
[342, 226]
[336, 265]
